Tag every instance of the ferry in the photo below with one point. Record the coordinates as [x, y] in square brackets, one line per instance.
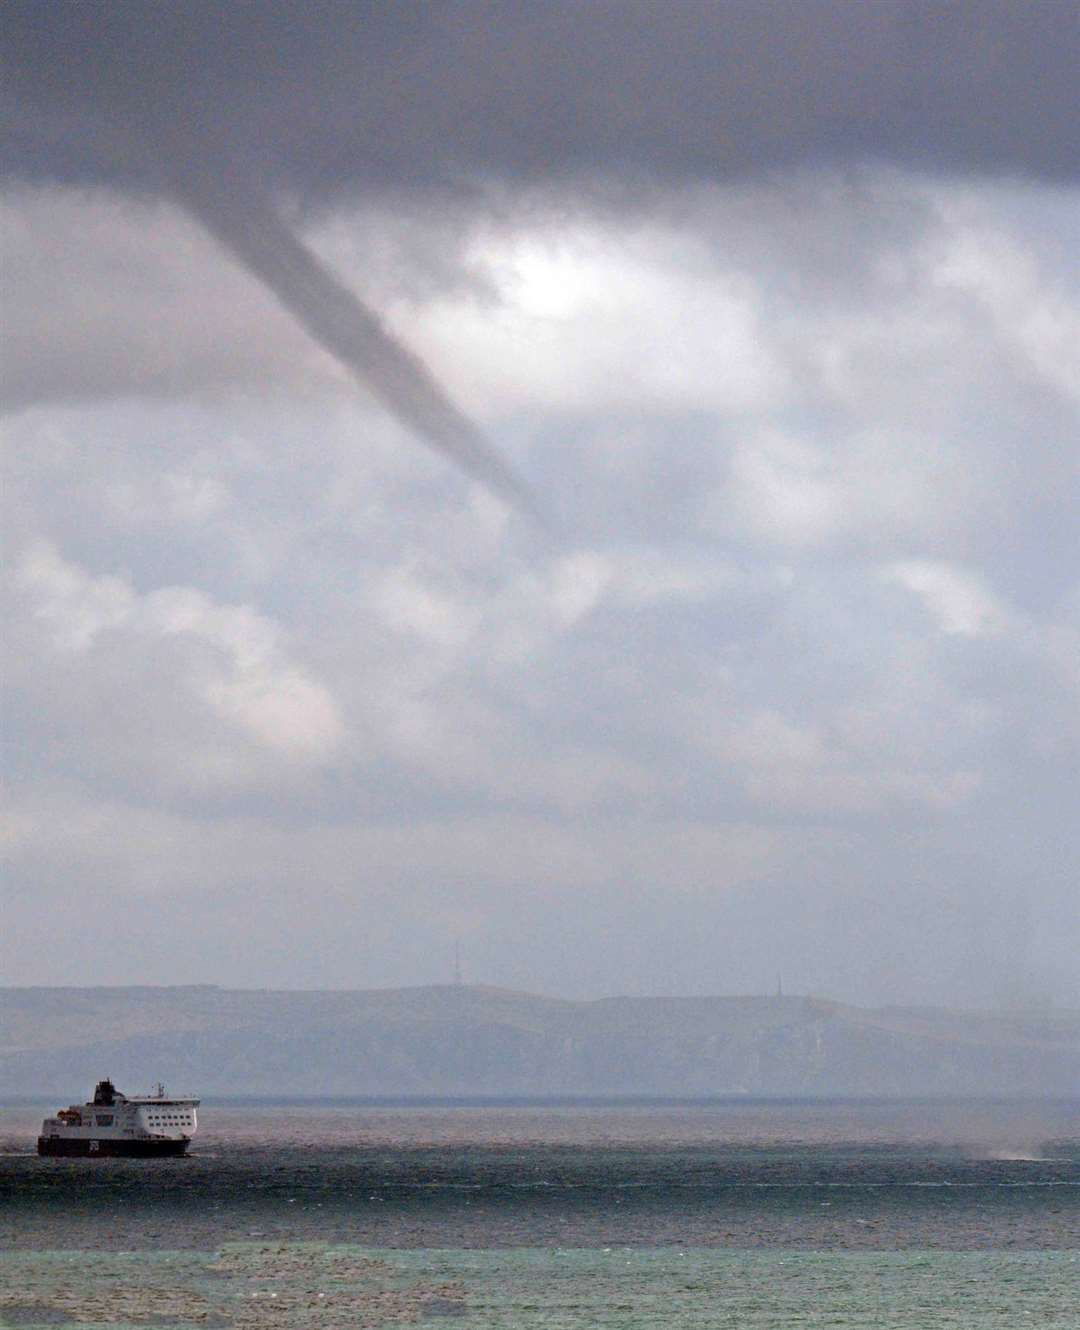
[112, 1123]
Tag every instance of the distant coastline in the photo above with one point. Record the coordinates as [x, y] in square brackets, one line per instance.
[475, 1045]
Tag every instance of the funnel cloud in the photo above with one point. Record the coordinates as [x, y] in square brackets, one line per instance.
[244, 221]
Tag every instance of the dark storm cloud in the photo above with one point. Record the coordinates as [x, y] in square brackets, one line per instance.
[214, 105]
[333, 94]
[167, 143]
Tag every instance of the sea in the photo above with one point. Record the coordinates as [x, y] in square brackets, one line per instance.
[756, 1215]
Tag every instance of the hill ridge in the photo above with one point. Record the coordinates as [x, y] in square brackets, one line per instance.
[451, 1039]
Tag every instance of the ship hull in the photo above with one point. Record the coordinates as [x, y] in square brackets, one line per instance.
[58, 1145]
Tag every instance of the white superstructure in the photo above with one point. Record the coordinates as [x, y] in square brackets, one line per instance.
[114, 1123]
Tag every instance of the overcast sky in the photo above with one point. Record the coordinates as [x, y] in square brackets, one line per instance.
[771, 311]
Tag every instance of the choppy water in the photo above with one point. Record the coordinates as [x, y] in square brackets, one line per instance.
[746, 1215]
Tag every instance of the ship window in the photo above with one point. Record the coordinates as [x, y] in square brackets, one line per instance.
[104, 1119]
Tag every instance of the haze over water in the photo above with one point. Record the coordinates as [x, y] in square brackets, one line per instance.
[941, 1210]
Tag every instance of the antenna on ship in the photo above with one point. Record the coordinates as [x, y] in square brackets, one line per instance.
[457, 965]
[779, 985]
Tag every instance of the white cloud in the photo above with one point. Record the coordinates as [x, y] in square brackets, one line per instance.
[578, 582]
[238, 667]
[957, 598]
[784, 490]
[413, 605]
[250, 682]
[188, 496]
[75, 606]
[601, 319]
[819, 767]
[1034, 319]
[644, 578]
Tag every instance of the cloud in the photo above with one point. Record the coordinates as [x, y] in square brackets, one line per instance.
[75, 607]
[227, 661]
[1038, 324]
[956, 599]
[784, 490]
[563, 325]
[739, 538]
[407, 95]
